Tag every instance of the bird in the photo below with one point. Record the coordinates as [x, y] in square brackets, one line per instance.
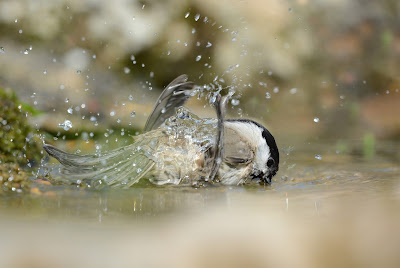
[180, 148]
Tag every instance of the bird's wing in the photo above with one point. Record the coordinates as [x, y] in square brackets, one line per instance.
[174, 95]
[117, 168]
[236, 149]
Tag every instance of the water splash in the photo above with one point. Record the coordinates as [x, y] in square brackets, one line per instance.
[66, 125]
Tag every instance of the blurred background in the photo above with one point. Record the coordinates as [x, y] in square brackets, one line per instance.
[323, 76]
[319, 69]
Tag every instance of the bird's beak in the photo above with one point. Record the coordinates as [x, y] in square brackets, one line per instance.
[266, 179]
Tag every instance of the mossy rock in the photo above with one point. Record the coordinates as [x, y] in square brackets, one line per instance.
[13, 178]
[19, 147]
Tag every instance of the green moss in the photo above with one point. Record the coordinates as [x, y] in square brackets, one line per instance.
[13, 178]
[19, 147]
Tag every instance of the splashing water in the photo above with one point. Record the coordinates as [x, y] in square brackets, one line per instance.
[66, 125]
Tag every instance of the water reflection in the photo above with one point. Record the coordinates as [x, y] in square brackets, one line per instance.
[322, 213]
[302, 181]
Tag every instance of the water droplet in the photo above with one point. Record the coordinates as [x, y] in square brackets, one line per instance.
[83, 106]
[130, 97]
[20, 31]
[127, 70]
[290, 10]
[197, 17]
[235, 102]
[267, 95]
[26, 52]
[276, 89]
[93, 119]
[208, 44]
[317, 156]
[263, 84]
[66, 100]
[45, 72]
[78, 72]
[234, 39]
[240, 112]
[364, 82]
[139, 170]
[316, 119]
[30, 47]
[2, 50]
[133, 114]
[293, 90]
[187, 15]
[163, 111]
[112, 113]
[70, 110]
[66, 125]
[198, 58]
[16, 20]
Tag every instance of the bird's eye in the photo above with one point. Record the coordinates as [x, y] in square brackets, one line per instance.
[270, 162]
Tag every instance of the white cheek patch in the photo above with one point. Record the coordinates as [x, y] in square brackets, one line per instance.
[262, 155]
[253, 135]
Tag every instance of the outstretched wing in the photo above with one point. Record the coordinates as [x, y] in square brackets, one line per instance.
[174, 95]
[117, 168]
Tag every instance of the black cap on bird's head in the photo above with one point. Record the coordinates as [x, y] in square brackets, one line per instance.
[266, 164]
[273, 160]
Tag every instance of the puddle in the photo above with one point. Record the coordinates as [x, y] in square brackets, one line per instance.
[336, 209]
[301, 179]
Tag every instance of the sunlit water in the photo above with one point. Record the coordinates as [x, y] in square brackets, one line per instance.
[303, 181]
[326, 212]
